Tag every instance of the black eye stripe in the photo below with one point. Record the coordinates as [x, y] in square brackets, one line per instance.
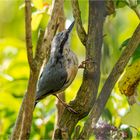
[63, 43]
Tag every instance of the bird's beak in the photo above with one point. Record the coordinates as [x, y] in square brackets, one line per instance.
[66, 36]
[70, 27]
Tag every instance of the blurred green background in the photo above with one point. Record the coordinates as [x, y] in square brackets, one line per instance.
[14, 70]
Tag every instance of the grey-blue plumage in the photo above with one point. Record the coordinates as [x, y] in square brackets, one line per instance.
[52, 79]
[61, 68]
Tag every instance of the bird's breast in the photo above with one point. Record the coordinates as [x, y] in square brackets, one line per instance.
[71, 67]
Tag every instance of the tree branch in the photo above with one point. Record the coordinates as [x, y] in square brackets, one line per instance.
[39, 59]
[29, 33]
[17, 128]
[49, 34]
[110, 82]
[79, 27]
[59, 105]
[88, 91]
[30, 95]
[62, 19]
[52, 28]
[29, 105]
[23, 122]
[39, 54]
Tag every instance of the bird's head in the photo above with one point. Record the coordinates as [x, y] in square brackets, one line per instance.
[60, 40]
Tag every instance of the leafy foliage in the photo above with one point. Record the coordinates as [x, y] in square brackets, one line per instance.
[14, 70]
[136, 54]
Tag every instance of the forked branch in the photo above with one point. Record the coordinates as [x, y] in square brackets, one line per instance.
[109, 84]
[79, 26]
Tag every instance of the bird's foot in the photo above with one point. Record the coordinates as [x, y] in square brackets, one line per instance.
[68, 107]
[83, 64]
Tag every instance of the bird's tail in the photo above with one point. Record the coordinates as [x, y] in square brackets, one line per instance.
[35, 104]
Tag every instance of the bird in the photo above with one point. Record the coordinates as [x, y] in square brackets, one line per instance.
[61, 69]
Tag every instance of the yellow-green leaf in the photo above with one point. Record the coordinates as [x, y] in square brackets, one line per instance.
[130, 79]
[36, 18]
[38, 4]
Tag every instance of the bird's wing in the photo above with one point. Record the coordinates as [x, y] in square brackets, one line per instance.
[51, 80]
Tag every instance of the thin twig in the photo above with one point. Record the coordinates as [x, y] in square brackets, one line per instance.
[17, 128]
[110, 82]
[28, 33]
[40, 53]
[77, 15]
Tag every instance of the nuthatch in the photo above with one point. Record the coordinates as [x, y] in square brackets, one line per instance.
[61, 68]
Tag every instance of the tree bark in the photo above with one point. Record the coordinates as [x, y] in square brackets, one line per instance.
[88, 91]
[60, 107]
[23, 123]
[109, 84]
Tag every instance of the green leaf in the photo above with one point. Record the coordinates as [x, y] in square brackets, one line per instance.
[121, 3]
[36, 19]
[124, 44]
[138, 1]
[38, 4]
[138, 135]
[136, 54]
[132, 117]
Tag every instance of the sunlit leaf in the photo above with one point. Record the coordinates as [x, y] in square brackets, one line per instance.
[38, 4]
[14, 68]
[121, 3]
[12, 42]
[124, 44]
[136, 54]
[10, 101]
[130, 79]
[132, 117]
[36, 18]
[45, 4]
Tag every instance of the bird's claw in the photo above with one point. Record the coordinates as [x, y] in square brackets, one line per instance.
[83, 64]
[70, 109]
